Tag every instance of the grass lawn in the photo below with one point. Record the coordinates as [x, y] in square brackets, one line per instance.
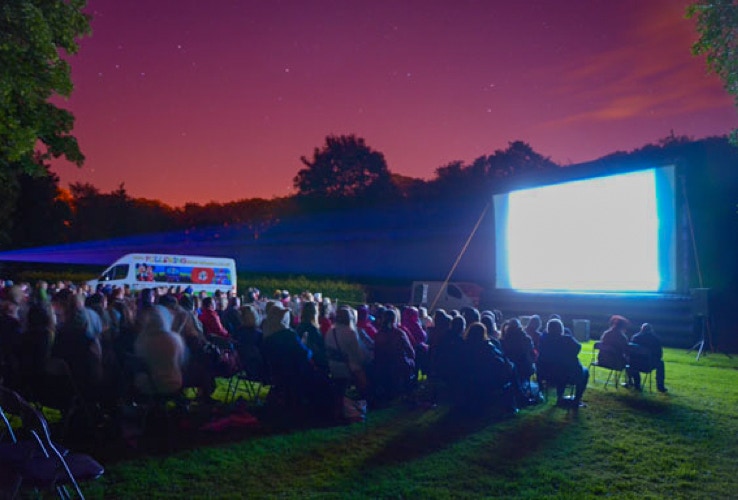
[683, 444]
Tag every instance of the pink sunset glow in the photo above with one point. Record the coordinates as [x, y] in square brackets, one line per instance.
[191, 101]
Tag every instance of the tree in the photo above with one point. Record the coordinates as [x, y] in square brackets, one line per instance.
[459, 180]
[41, 215]
[344, 168]
[34, 36]
[110, 215]
[717, 26]
[518, 158]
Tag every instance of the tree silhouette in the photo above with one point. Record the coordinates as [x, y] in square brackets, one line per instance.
[456, 179]
[344, 168]
[104, 215]
[41, 216]
[717, 27]
[33, 36]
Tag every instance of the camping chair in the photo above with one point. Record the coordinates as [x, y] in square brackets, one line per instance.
[614, 372]
[155, 411]
[545, 383]
[251, 377]
[59, 391]
[30, 459]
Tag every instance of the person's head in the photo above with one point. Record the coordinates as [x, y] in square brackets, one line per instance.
[15, 295]
[156, 320]
[488, 320]
[252, 295]
[390, 318]
[423, 312]
[278, 319]
[309, 314]
[234, 302]
[511, 326]
[169, 301]
[41, 318]
[186, 302]
[534, 323]
[249, 316]
[97, 301]
[618, 322]
[441, 320]
[646, 328]
[208, 303]
[362, 314]
[147, 297]
[470, 314]
[554, 326]
[458, 325]
[476, 333]
[346, 316]
[60, 303]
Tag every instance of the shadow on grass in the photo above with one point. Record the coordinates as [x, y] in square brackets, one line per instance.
[667, 414]
[645, 404]
[509, 439]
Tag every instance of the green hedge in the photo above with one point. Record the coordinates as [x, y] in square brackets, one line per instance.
[344, 292]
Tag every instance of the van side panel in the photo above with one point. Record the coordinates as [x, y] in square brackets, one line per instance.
[161, 270]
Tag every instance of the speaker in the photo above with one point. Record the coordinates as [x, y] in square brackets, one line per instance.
[700, 301]
[581, 329]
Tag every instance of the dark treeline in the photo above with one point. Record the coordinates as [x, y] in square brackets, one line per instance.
[46, 213]
[346, 193]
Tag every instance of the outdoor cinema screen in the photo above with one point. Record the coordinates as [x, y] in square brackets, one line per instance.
[604, 234]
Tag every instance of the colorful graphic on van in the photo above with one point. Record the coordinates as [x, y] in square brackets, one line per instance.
[184, 274]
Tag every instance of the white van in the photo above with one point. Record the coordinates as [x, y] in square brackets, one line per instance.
[147, 270]
[455, 295]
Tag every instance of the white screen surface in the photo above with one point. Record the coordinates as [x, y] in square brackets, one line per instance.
[602, 234]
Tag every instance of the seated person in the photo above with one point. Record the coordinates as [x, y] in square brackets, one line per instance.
[645, 355]
[488, 376]
[394, 360]
[518, 347]
[162, 352]
[614, 344]
[533, 329]
[211, 320]
[303, 390]
[558, 362]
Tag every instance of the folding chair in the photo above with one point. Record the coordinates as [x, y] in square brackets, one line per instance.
[29, 457]
[153, 412]
[545, 384]
[59, 391]
[612, 369]
[640, 359]
[251, 377]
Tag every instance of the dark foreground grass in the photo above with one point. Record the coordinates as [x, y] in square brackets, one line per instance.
[626, 445]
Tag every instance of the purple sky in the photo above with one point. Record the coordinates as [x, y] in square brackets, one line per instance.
[193, 101]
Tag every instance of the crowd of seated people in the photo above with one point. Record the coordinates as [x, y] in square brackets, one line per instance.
[311, 353]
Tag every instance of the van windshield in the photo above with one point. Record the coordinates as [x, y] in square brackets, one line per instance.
[118, 272]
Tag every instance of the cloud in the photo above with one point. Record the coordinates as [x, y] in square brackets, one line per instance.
[650, 72]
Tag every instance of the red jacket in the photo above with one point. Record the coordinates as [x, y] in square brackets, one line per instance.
[211, 323]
